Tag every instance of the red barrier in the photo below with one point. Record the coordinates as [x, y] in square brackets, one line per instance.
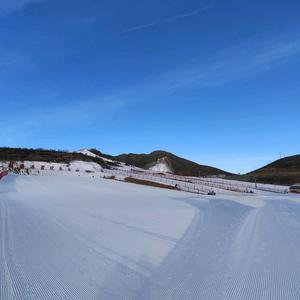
[3, 174]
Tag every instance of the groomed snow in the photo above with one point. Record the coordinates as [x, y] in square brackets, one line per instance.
[81, 238]
[64, 237]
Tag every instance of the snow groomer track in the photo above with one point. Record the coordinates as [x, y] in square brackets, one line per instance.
[83, 238]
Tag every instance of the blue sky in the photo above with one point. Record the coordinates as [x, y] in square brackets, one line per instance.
[217, 82]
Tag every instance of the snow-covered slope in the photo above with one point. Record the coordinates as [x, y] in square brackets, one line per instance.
[161, 166]
[83, 238]
[78, 238]
[89, 153]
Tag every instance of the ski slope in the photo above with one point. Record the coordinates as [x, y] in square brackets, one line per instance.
[85, 238]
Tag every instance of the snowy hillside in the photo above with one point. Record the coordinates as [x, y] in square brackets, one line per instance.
[91, 154]
[86, 152]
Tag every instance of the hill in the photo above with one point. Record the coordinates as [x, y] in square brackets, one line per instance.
[22, 154]
[178, 165]
[284, 171]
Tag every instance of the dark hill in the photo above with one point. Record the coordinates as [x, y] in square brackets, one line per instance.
[283, 171]
[180, 165]
[22, 154]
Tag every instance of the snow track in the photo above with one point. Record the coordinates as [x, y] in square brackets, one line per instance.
[78, 238]
[234, 252]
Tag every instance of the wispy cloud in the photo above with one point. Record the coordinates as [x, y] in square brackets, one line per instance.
[238, 62]
[10, 5]
[235, 63]
[82, 114]
[7, 63]
[166, 20]
[228, 65]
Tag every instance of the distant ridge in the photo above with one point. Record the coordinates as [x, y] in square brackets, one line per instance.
[58, 156]
[153, 160]
[282, 171]
[178, 165]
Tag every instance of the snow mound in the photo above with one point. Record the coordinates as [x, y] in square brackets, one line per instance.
[86, 166]
[161, 166]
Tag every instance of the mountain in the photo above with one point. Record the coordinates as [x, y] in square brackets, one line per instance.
[283, 171]
[175, 164]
